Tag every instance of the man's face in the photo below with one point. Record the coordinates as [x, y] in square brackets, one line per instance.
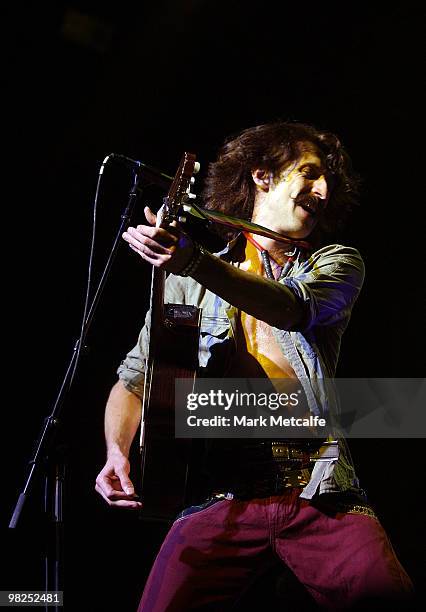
[292, 203]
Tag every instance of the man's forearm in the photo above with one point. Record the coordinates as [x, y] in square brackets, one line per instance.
[122, 418]
[264, 299]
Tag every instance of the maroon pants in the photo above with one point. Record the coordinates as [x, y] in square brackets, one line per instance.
[213, 553]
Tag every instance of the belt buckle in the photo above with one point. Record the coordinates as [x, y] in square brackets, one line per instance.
[293, 456]
[281, 450]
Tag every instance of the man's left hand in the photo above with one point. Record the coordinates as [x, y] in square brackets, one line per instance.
[170, 249]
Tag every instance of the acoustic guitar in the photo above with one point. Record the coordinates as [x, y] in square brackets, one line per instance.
[173, 353]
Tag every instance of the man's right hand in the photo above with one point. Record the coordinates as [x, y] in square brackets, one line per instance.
[114, 484]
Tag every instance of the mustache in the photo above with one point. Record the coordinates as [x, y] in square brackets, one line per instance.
[312, 202]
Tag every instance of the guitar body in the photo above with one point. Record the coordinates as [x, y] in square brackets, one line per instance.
[173, 353]
[165, 459]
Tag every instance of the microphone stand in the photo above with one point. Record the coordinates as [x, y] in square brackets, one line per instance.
[51, 458]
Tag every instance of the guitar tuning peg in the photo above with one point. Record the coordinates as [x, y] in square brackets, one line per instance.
[196, 167]
[192, 180]
[190, 196]
[182, 219]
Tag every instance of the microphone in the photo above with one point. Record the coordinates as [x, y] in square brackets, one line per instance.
[153, 175]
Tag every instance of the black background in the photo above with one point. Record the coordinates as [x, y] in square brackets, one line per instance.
[151, 81]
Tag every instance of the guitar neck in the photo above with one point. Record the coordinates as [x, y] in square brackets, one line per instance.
[169, 212]
[158, 281]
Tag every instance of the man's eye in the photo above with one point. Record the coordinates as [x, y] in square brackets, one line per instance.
[309, 173]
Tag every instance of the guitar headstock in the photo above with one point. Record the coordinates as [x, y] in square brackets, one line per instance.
[180, 189]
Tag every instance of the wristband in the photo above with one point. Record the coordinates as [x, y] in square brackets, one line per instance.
[194, 262]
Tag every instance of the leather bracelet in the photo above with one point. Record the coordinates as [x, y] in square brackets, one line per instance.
[194, 262]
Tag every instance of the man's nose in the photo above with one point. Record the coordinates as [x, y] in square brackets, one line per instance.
[320, 187]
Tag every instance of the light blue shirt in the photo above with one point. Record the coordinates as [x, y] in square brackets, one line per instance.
[327, 283]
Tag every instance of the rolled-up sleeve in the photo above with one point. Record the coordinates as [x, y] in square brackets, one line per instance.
[132, 369]
[327, 285]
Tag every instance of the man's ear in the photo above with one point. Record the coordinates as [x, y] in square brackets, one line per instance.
[262, 178]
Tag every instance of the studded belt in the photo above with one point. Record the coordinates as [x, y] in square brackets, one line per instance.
[289, 464]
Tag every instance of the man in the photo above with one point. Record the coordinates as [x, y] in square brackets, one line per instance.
[275, 310]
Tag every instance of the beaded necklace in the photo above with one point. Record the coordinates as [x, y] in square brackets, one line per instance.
[266, 258]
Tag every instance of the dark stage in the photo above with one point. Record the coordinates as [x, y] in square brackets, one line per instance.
[150, 81]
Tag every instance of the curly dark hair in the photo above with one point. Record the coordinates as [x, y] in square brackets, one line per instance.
[229, 186]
